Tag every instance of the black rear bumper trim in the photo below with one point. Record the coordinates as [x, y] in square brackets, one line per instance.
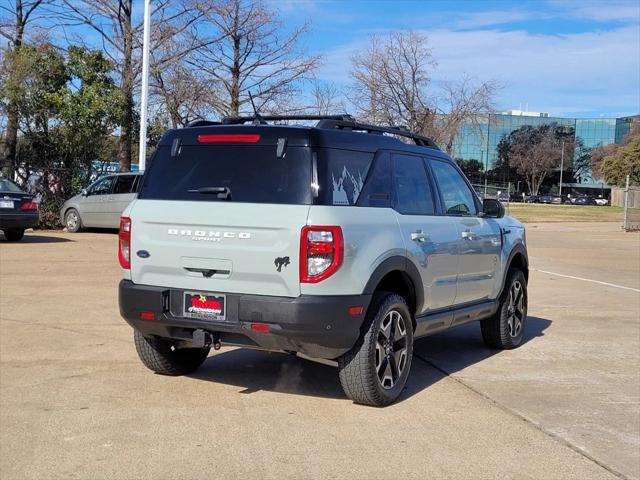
[318, 326]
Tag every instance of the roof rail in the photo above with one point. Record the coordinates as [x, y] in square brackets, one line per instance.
[201, 123]
[401, 131]
[238, 120]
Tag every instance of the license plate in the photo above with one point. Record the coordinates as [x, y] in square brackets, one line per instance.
[6, 204]
[205, 306]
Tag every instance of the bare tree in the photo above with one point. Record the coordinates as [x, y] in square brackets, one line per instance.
[393, 86]
[327, 99]
[14, 20]
[535, 152]
[120, 38]
[254, 56]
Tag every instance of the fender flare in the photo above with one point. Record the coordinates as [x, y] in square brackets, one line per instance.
[517, 249]
[401, 264]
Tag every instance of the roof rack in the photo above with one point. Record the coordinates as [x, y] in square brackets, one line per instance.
[401, 131]
[262, 119]
[201, 123]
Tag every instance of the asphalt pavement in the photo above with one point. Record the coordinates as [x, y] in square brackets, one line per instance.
[76, 403]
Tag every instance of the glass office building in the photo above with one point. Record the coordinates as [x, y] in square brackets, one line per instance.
[478, 140]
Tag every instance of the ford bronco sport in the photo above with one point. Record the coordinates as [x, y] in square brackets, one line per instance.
[339, 241]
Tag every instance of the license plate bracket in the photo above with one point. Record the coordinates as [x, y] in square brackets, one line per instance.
[205, 306]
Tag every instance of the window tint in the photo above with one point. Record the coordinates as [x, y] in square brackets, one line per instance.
[124, 184]
[412, 191]
[341, 175]
[377, 188]
[457, 196]
[101, 187]
[251, 173]
[8, 186]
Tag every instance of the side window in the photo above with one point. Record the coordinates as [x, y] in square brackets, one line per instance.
[377, 187]
[101, 187]
[457, 196]
[124, 184]
[412, 191]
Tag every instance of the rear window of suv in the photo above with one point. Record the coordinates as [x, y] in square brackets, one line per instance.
[251, 173]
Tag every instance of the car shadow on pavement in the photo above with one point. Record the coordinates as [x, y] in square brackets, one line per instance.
[255, 370]
[38, 239]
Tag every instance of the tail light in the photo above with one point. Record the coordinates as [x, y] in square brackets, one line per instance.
[229, 138]
[321, 252]
[124, 243]
[30, 206]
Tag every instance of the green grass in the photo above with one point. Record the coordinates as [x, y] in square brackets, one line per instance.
[534, 212]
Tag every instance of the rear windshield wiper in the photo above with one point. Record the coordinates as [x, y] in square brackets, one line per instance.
[223, 193]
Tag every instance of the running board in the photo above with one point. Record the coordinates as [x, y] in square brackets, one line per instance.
[454, 317]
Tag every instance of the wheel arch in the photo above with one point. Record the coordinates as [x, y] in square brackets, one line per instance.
[519, 259]
[397, 275]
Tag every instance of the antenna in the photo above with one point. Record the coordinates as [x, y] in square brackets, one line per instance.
[258, 119]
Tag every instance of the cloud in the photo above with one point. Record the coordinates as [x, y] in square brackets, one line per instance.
[566, 74]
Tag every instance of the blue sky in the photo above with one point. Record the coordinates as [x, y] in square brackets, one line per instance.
[567, 58]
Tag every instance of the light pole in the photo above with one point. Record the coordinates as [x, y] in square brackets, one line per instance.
[144, 94]
[561, 167]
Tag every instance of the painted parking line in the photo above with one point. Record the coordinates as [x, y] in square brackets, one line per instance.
[589, 280]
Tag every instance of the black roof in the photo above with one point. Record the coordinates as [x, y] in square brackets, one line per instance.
[337, 131]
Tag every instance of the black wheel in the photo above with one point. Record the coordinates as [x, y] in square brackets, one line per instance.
[375, 370]
[158, 355]
[72, 221]
[13, 235]
[505, 329]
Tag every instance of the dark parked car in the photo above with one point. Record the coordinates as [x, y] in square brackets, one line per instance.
[532, 199]
[18, 211]
[555, 199]
[584, 200]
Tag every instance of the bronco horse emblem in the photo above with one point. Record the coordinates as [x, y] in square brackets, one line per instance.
[281, 262]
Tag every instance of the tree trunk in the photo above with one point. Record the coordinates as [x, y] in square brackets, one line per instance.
[11, 139]
[126, 132]
[235, 70]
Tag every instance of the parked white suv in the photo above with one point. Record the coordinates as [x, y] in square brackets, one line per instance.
[339, 241]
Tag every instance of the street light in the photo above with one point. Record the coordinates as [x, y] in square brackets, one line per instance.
[144, 94]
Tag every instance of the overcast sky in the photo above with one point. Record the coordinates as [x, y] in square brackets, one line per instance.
[566, 58]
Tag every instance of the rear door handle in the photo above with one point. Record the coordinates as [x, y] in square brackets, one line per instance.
[468, 235]
[419, 236]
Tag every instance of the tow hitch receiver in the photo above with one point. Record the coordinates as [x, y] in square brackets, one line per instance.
[202, 339]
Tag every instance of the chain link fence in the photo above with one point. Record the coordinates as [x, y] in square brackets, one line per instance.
[631, 203]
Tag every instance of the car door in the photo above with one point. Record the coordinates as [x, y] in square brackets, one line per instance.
[123, 194]
[430, 239]
[479, 239]
[92, 208]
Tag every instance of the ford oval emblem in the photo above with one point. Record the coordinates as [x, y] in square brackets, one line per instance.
[142, 254]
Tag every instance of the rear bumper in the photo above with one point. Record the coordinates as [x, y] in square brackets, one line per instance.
[18, 221]
[318, 326]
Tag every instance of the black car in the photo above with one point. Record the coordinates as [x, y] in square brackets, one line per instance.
[585, 200]
[18, 211]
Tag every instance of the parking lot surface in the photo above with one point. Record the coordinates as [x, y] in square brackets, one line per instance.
[75, 402]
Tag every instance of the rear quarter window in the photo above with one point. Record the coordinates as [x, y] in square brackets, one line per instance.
[341, 175]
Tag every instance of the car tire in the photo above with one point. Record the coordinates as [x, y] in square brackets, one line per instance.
[505, 329]
[72, 221]
[157, 355]
[375, 371]
[13, 235]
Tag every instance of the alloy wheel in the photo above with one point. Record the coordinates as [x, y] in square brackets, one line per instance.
[391, 349]
[515, 309]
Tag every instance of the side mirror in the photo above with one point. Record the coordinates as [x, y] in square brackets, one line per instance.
[84, 192]
[492, 208]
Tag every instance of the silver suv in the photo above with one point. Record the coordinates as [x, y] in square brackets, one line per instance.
[340, 241]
